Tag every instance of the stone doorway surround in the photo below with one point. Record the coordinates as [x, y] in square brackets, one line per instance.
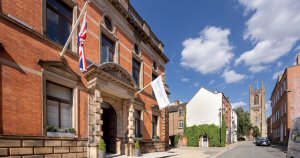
[111, 83]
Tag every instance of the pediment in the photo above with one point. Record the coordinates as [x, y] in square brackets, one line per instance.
[60, 67]
[111, 72]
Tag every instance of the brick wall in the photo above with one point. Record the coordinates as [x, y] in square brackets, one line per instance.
[21, 95]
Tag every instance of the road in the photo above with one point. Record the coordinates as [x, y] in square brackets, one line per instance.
[250, 150]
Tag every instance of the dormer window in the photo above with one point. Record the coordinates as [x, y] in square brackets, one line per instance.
[108, 23]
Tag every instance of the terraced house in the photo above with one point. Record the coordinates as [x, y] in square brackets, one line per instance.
[48, 107]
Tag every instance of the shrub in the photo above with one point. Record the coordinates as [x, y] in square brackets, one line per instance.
[137, 144]
[212, 132]
[51, 128]
[176, 139]
[102, 145]
[71, 130]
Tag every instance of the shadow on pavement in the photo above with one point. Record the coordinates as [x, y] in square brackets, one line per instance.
[281, 148]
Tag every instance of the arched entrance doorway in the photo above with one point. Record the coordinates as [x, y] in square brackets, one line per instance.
[109, 127]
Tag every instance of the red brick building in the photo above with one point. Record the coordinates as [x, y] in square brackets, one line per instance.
[269, 127]
[176, 121]
[227, 110]
[49, 107]
[285, 103]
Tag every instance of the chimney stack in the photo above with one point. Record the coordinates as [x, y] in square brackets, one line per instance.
[298, 59]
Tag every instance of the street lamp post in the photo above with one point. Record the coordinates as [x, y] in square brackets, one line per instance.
[220, 114]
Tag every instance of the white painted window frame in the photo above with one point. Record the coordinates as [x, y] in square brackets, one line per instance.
[50, 76]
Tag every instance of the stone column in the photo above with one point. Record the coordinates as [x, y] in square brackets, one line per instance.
[95, 122]
[131, 128]
[98, 116]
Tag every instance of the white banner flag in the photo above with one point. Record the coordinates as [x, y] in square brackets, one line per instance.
[160, 93]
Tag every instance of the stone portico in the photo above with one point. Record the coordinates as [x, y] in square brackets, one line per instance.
[110, 86]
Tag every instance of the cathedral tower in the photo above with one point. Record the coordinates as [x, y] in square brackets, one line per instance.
[258, 108]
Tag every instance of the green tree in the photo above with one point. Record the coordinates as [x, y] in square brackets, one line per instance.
[244, 125]
[256, 132]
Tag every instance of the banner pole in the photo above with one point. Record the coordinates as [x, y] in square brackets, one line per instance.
[148, 84]
[73, 29]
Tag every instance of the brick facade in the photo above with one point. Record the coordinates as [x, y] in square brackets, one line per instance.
[28, 59]
[285, 101]
[227, 110]
[176, 114]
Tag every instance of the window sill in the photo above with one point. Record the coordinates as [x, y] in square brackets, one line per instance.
[63, 135]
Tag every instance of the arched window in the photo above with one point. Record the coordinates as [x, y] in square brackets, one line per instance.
[256, 99]
[108, 23]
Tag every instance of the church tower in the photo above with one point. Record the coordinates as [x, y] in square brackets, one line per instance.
[258, 108]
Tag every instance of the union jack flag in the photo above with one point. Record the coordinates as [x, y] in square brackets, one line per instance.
[81, 39]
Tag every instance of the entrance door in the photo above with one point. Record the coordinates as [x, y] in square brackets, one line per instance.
[205, 141]
[109, 127]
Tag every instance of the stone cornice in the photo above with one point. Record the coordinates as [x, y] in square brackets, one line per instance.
[144, 31]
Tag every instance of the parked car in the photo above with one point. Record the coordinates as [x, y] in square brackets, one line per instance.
[263, 141]
[293, 150]
[257, 139]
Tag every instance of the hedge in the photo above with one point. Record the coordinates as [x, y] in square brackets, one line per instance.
[212, 131]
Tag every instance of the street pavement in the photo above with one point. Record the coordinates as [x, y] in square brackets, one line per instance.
[248, 149]
[245, 149]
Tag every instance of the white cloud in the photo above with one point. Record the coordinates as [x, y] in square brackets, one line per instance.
[279, 64]
[276, 74]
[208, 53]
[185, 79]
[211, 82]
[230, 76]
[196, 84]
[256, 69]
[273, 28]
[238, 104]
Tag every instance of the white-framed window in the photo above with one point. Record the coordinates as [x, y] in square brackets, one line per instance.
[60, 102]
[59, 105]
[180, 112]
[181, 124]
[155, 127]
[138, 123]
[58, 20]
[107, 49]
[136, 71]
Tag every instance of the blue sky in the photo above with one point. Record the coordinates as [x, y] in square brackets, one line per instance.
[224, 45]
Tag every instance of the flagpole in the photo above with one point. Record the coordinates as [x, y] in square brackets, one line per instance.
[73, 29]
[148, 84]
